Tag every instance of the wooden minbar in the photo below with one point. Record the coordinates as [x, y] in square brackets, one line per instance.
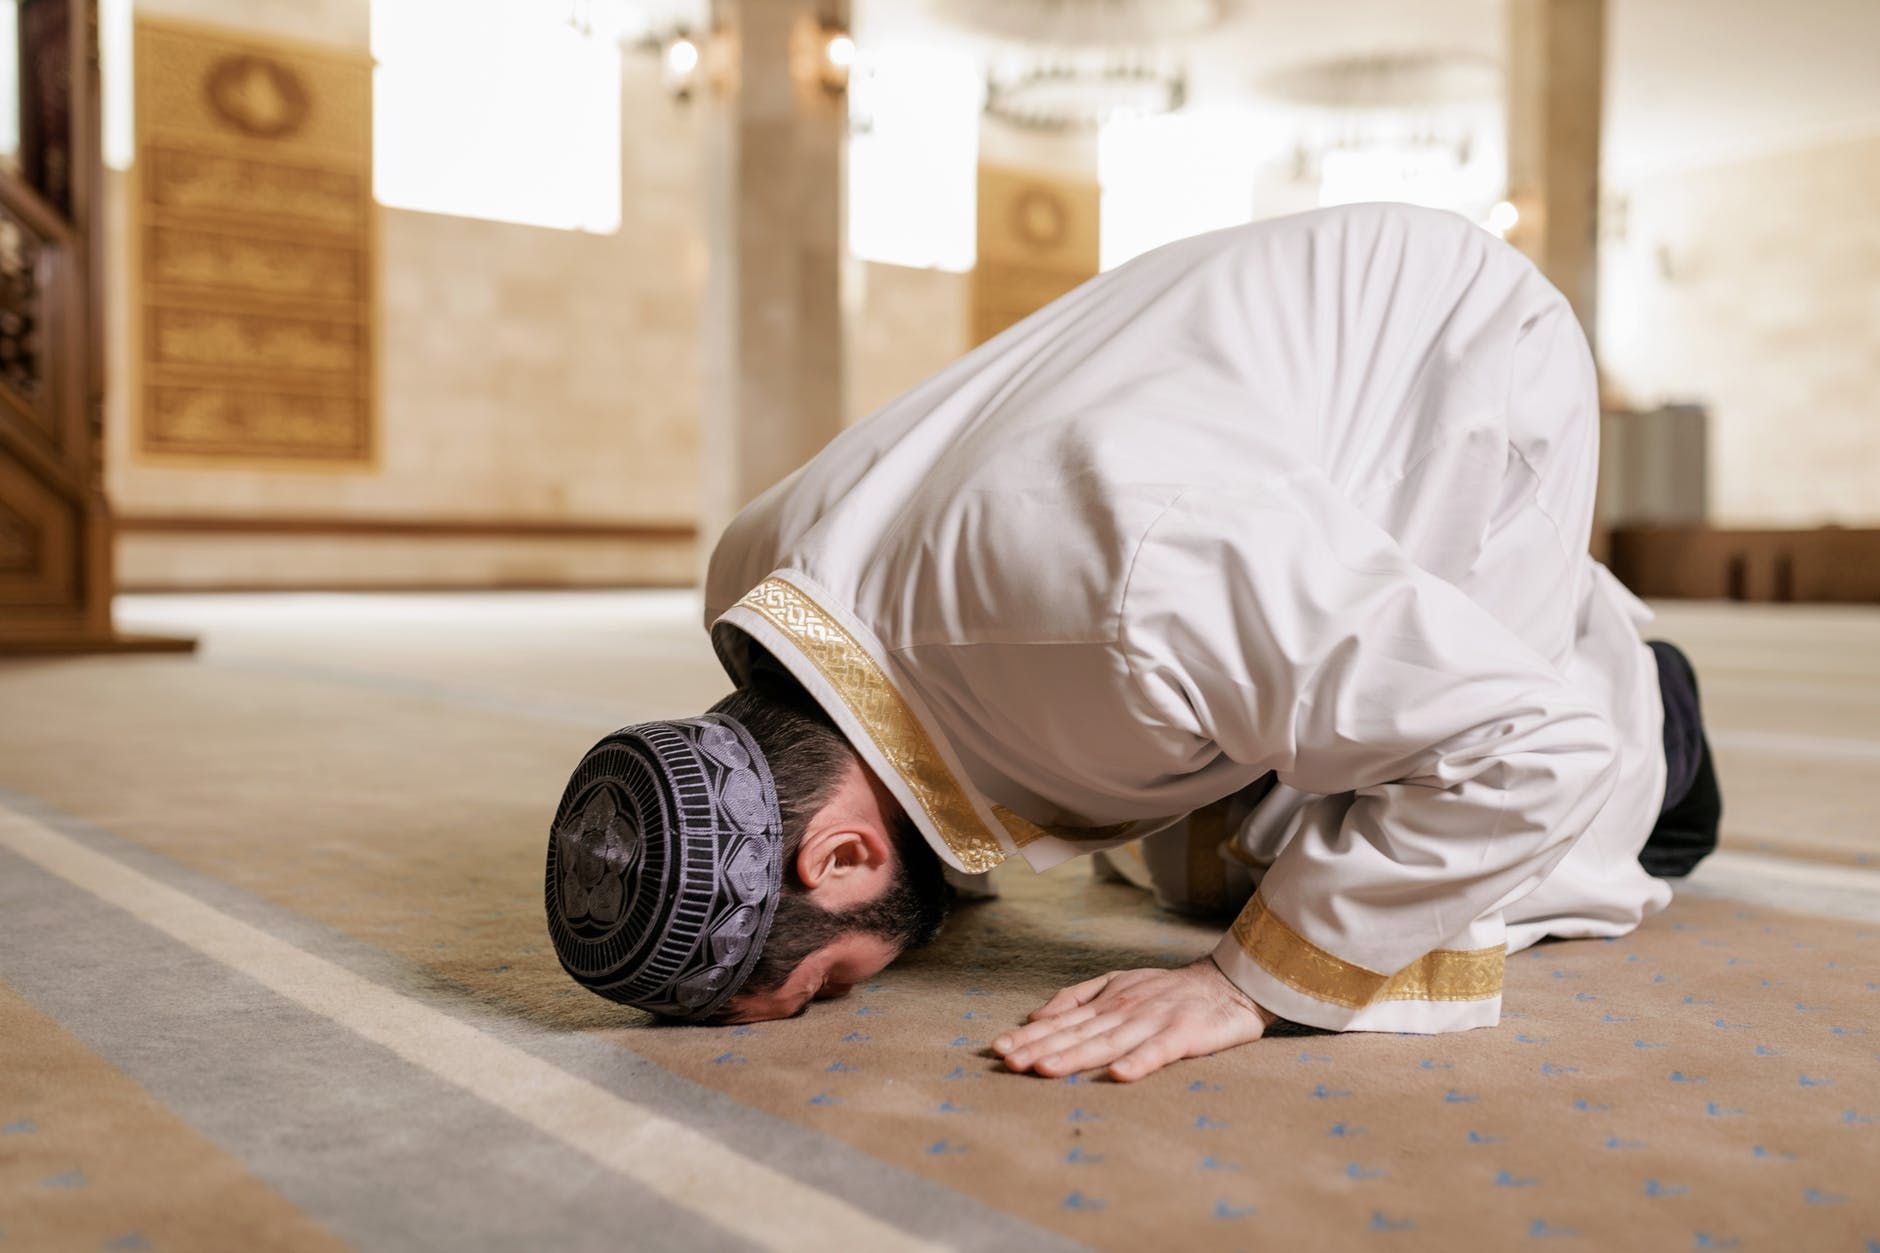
[55, 526]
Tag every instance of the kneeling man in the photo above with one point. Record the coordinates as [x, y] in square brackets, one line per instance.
[1269, 545]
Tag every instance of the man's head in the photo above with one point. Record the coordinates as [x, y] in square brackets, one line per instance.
[735, 867]
[859, 883]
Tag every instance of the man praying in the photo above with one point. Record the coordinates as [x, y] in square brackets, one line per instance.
[1258, 564]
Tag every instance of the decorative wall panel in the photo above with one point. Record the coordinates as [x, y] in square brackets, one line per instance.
[1037, 240]
[254, 224]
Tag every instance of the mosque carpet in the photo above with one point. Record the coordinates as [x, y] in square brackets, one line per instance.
[273, 975]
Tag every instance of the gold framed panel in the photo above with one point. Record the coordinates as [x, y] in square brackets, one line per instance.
[253, 234]
[1037, 240]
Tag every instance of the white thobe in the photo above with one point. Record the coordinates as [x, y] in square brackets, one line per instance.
[1309, 497]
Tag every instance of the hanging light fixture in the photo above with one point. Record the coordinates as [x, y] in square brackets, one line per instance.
[1080, 90]
[1414, 124]
[1084, 23]
[1427, 100]
[1062, 65]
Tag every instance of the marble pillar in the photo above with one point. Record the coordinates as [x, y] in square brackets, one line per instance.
[1556, 95]
[1556, 89]
[773, 341]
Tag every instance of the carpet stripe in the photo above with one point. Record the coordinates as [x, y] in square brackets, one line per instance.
[668, 1158]
[114, 1007]
[1823, 890]
[133, 1173]
[1803, 747]
[351, 1134]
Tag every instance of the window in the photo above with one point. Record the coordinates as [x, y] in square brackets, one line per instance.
[1446, 159]
[1414, 174]
[114, 83]
[496, 109]
[1170, 176]
[913, 157]
[9, 78]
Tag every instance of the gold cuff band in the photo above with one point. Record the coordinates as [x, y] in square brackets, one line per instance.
[1439, 975]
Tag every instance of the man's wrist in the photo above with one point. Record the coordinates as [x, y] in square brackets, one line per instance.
[1267, 1016]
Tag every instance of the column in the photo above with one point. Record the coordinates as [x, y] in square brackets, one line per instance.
[1556, 88]
[1556, 91]
[773, 333]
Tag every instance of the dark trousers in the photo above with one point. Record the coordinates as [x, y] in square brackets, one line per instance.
[1686, 831]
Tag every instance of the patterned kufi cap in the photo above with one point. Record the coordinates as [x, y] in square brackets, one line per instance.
[664, 865]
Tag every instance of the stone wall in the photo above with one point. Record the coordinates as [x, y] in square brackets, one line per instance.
[539, 377]
[1754, 289]
[901, 326]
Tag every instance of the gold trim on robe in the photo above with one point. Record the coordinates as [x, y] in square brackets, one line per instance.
[889, 720]
[1441, 975]
[891, 723]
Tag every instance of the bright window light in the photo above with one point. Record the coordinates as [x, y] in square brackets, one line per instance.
[114, 82]
[9, 77]
[1413, 175]
[1454, 163]
[1167, 177]
[496, 109]
[913, 157]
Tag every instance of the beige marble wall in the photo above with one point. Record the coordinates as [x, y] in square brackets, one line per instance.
[1754, 288]
[524, 374]
[246, 562]
[325, 21]
[773, 314]
[902, 326]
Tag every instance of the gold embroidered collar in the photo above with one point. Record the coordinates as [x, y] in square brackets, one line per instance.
[884, 714]
[899, 737]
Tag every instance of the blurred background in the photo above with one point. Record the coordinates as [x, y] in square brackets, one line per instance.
[494, 294]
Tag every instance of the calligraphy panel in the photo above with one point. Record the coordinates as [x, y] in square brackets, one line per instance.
[1037, 240]
[254, 229]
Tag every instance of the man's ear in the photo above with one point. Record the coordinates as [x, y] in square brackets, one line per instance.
[842, 862]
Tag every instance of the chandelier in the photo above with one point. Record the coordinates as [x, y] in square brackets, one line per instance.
[1433, 102]
[1065, 65]
[1074, 90]
[1084, 23]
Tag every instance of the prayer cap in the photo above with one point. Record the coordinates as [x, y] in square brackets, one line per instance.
[665, 861]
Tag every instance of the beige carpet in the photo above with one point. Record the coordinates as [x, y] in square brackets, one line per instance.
[275, 976]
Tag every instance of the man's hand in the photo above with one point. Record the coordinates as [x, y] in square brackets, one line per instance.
[1135, 1022]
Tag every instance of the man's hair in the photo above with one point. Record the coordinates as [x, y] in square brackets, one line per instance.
[808, 759]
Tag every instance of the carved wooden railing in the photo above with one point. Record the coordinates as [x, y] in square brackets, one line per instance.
[54, 531]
